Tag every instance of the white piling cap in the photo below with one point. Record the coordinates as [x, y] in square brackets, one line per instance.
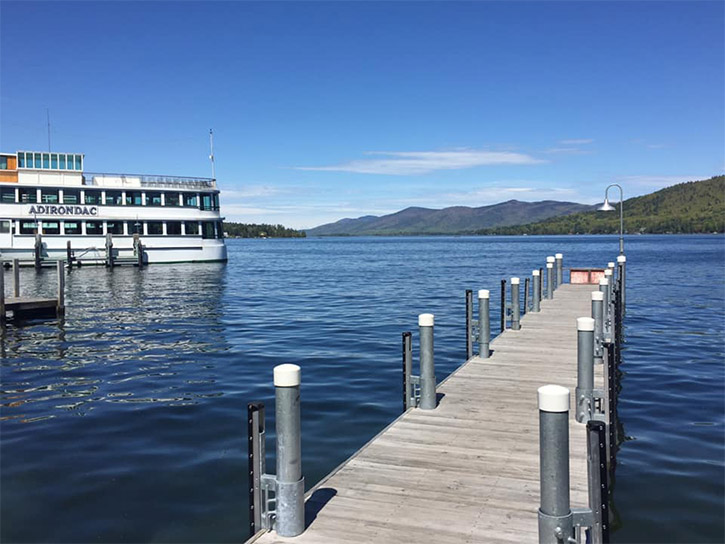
[549, 265]
[425, 320]
[559, 255]
[550, 259]
[608, 272]
[515, 281]
[535, 273]
[553, 398]
[597, 295]
[584, 324]
[287, 375]
[610, 264]
[603, 281]
[621, 259]
[483, 293]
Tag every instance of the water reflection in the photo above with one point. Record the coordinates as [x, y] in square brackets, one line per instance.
[129, 336]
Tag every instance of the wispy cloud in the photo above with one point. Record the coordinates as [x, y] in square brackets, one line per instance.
[655, 182]
[252, 191]
[495, 194]
[566, 150]
[408, 163]
[576, 141]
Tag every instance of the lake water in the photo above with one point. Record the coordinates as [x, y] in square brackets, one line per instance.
[126, 422]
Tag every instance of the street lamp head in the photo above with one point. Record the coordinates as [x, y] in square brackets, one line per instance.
[606, 207]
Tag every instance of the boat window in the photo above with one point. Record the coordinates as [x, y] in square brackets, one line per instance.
[94, 227]
[133, 198]
[49, 196]
[54, 161]
[61, 161]
[114, 227]
[153, 199]
[4, 227]
[51, 227]
[191, 228]
[3, 163]
[155, 228]
[208, 230]
[135, 227]
[220, 229]
[36, 157]
[7, 195]
[92, 197]
[46, 160]
[29, 196]
[216, 201]
[171, 199]
[71, 227]
[173, 228]
[21, 160]
[27, 227]
[79, 162]
[113, 198]
[71, 196]
[205, 201]
[190, 199]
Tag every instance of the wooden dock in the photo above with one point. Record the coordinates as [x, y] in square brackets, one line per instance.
[30, 306]
[467, 471]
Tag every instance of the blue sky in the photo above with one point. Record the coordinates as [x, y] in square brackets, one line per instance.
[342, 109]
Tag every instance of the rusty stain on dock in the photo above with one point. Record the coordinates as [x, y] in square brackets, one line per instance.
[467, 471]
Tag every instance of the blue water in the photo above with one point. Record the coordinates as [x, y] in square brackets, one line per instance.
[127, 421]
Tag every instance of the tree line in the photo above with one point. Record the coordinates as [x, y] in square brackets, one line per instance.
[251, 230]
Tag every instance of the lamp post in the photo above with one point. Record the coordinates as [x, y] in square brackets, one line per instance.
[607, 207]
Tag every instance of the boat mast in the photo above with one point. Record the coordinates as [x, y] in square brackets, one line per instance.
[211, 154]
[47, 113]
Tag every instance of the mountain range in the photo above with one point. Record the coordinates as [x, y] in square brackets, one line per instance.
[453, 220]
[695, 206]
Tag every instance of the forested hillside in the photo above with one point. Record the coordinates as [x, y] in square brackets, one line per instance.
[692, 207]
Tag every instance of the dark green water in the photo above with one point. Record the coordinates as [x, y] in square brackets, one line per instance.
[126, 422]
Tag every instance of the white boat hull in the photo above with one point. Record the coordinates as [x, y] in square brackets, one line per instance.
[92, 249]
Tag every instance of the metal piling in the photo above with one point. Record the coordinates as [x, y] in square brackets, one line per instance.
[515, 304]
[484, 334]
[555, 516]
[290, 489]
[585, 369]
[536, 296]
[559, 268]
[427, 366]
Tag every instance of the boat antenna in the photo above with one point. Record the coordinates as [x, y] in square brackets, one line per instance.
[211, 153]
[47, 114]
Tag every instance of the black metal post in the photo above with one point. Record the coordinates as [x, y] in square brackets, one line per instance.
[407, 370]
[469, 324]
[503, 305]
[255, 463]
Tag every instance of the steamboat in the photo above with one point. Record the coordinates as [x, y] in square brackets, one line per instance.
[49, 205]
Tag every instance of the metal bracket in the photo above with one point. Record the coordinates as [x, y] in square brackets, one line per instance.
[268, 483]
[475, 330]
[415, 397]
[582, 517]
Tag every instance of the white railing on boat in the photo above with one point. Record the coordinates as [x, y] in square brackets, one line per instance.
[145, 180]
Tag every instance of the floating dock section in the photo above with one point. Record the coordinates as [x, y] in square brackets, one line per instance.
[516, 447]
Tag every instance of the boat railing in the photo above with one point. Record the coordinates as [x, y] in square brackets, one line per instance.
[146, 180]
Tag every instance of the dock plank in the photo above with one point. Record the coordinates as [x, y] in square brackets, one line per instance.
[467, 471]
